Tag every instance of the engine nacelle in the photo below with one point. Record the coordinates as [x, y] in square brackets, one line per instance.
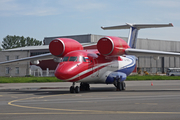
[61, 46]
[109, 46]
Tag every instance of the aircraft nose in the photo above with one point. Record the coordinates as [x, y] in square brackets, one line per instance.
[65, 71]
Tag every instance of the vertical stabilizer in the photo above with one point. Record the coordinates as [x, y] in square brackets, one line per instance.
[132, 39]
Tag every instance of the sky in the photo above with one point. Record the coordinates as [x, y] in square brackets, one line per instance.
[49, 18]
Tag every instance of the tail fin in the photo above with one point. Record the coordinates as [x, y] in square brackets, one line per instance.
[132, 39]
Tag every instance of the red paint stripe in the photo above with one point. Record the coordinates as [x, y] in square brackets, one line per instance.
[86, 74]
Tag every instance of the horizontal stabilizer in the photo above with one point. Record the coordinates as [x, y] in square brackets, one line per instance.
[138, 26]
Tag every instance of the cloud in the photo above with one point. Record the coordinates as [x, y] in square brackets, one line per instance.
[8, 5]
[46, 7]
[39, 11]
[31, 7]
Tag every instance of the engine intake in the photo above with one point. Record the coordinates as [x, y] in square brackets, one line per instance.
[109, 46]
[61, 46]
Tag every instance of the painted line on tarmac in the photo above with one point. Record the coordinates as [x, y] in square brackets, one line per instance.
[44, 113]
[88, 113]
[74, 111]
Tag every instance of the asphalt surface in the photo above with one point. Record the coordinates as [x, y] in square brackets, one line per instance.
[142, 100]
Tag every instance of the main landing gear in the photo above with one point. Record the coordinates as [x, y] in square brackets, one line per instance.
[83, 87]
[119, 85]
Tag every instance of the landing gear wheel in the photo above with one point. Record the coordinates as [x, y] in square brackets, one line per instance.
[87, 87]
[123, 86]
[119, 86]
[72, 89]
[84, 87]
[76, 89]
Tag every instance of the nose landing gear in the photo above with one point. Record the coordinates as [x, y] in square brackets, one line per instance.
[83, 87]
[74, 89]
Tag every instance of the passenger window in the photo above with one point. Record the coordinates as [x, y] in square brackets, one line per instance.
[65, 59]
[73, 59]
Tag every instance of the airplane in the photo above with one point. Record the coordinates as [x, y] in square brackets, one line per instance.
[110, 63]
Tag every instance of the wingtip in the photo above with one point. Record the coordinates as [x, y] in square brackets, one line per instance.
[171, 24]
[102, 27]
[129, 24]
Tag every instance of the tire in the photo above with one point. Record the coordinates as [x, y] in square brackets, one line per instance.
[76, 89]
[119, 86]
[71, 89]
[123, 86]
[84, 87]
[87, 87]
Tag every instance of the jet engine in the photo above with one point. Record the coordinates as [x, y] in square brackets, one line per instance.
[109, 46]
[61, 46]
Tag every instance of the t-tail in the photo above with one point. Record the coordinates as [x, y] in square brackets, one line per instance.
[132, 39]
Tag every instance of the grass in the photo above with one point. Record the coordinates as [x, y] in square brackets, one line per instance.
[151, 77]
[54, 79]
[28, 79]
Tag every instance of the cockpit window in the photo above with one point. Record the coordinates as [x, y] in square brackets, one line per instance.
[73, 59]
[65, 59]
[84, 59]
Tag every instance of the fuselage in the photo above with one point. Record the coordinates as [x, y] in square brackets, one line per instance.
[89, 66]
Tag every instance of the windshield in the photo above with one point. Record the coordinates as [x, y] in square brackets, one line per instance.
[73, 59]
[65, 59]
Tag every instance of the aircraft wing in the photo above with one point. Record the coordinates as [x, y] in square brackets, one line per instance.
[141, 52]
[32, 58]
[46, 56]
[88, 44]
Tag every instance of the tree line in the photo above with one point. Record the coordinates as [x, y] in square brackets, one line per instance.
[10, 42]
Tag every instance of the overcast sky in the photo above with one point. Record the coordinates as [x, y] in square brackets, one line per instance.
[49, 18]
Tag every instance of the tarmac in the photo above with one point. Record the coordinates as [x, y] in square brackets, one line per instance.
[142, 100]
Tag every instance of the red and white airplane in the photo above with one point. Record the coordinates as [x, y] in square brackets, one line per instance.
[110, 63]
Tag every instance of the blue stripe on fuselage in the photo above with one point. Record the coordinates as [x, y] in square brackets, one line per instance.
[124, 72]
[130, 67]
